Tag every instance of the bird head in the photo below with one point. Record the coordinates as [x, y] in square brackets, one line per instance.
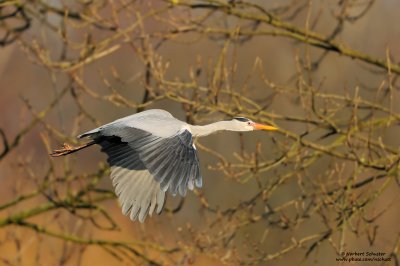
[245, 124]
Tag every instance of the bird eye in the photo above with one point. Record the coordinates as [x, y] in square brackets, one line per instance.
[249, 123]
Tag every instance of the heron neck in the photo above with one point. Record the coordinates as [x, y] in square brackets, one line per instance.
[200, 131]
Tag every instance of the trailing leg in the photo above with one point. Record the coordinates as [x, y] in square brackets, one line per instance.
[67, 149]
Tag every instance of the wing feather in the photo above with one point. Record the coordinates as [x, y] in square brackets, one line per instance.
[138, 193]
[164, 170]
[174, 173]
[186, 164]
[167, 158]
[181, 179]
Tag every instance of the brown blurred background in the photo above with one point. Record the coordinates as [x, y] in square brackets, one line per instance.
[325, 72]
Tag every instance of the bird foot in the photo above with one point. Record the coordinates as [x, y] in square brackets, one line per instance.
[66, 149]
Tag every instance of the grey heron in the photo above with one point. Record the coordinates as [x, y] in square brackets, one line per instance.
[152, 152]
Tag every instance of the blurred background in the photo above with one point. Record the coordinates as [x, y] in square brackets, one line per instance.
[325, 72]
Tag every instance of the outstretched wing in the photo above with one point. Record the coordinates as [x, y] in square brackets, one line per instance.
[138, 193]
[144, 166]
[172, 161]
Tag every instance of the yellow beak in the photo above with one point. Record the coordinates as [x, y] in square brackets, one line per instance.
[263, 127]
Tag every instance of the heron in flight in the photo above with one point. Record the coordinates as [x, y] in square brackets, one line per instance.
[152, 152]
